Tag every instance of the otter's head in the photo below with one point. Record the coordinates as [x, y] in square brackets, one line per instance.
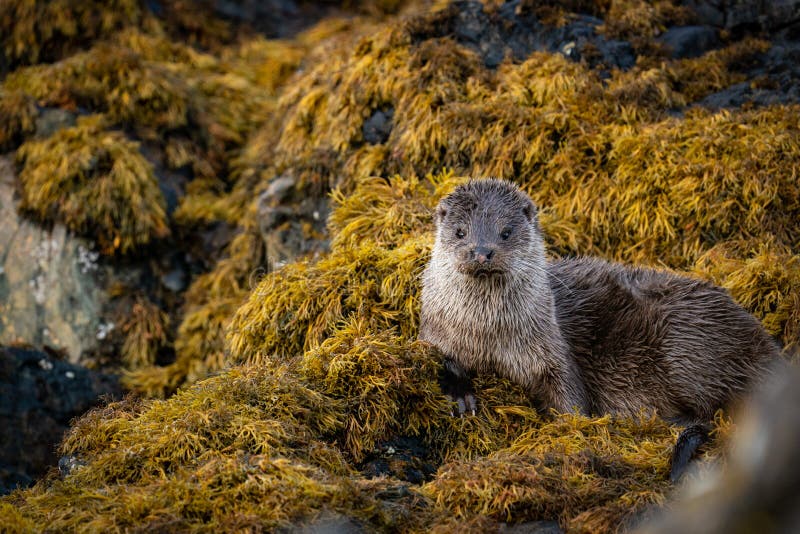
[488, 228]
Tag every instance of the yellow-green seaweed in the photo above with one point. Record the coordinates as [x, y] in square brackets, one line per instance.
[96, 182]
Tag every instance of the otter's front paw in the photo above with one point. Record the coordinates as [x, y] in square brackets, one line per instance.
[457, 386]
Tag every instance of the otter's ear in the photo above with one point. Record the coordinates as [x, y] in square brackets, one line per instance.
[530, 211]
[441, 212]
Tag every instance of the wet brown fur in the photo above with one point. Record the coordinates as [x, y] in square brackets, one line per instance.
[581, 333]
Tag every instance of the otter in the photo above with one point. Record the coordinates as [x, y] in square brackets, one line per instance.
[580, 333]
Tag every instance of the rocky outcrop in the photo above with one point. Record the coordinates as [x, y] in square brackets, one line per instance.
[740, 15]
[39, 396]
[50, 294]
[513, 30]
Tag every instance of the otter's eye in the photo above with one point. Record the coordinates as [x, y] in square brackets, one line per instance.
[505, 233]
[459, 233]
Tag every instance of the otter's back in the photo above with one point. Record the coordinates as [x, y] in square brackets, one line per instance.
[645, 338]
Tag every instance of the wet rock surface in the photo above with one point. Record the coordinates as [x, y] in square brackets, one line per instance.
[742, 15]
[291, 224]
[50, 120]
[512, 31]
[378, 126]
[773, 78]
[39, 395]
[405, 458]
[690, 41]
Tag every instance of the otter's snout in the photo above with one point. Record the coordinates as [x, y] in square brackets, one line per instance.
[482, 254]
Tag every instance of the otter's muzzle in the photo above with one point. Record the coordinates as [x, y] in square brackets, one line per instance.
[482, 255]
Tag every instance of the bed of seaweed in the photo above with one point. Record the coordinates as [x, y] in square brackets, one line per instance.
[285, 385]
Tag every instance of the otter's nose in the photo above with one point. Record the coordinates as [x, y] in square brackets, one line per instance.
[483, 254]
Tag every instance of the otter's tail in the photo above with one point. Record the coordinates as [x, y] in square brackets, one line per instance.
[691, 439]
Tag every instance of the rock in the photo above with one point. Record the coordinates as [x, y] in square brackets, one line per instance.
[291, 225]
[328, 522]
[616, 53]
[68, 464]
[689, 41]
[711, 13]
[39, 395]
[404, 458]
[511, 32]
[176, 280]
[532, 527]
[279, 190]
[762, 15]
[272, 18]
[50, 289]
[774, 78]
[50, 120]
[765, 15]
[378, 126]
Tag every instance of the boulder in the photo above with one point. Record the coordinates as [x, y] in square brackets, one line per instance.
[51, 293]
[39, 396]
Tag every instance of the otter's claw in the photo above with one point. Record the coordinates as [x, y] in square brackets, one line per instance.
[465, 404]
[456, 385]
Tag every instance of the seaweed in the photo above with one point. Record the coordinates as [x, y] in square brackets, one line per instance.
[581, 146]
[34, 30]
[764, 277]
[96, 182]
[145, 333]
[18, 114]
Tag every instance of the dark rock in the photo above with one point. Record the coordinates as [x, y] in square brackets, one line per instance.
[711, 13]
[773, 78]
[39, 395]
[68, 464]
[328, 522]
[171, 182]
[616, 53]
[171, 194]
[291, 224]
[404, 458]
[765, 15]
[272, 18]
[743, 15]
[253, 10]
[50, 120]
[509, 32]
[176, 280]
[378, 126]
[689, 41]
[532, 527]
